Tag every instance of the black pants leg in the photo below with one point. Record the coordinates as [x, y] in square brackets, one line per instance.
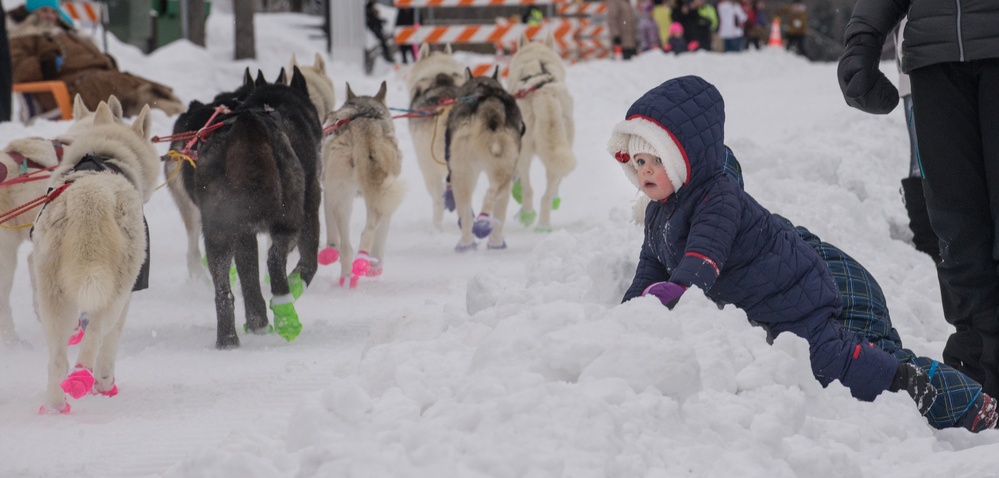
[957, 104]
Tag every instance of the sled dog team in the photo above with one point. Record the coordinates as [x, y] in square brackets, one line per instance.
[255, 161]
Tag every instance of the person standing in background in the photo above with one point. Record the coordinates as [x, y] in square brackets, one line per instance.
[951, 54]
[648, 29]
[794, 18]
[406, 18]
[663, 15]
[731, 18]
[6, 79]
[623, 26]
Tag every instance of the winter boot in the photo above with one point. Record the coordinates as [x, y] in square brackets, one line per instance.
[916, 383]
[923, 236]
[981, 415]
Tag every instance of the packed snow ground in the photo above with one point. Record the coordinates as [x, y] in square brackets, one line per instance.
[513, 363]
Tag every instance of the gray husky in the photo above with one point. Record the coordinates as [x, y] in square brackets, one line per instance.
[361, 158]
[483, 135]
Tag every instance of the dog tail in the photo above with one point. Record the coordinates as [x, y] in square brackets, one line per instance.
[553, 132]
[379, 164]
[95, 249]
[492, 112]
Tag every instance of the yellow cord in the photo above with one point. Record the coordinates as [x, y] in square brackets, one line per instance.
[22, 226]
[178, 157]
[433, 139]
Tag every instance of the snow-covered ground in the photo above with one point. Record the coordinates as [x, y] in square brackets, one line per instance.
[513, 363]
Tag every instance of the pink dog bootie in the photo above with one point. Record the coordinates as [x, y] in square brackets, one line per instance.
[328, 256]
[48, 411]
[78, 383]
[81, 327]
[107, 393]
[363, 266]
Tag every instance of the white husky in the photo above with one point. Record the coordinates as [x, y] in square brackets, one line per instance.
[28, 156]
[434, 78]
[320, 85]
[361, 157]
[537, 78]
[89, 246]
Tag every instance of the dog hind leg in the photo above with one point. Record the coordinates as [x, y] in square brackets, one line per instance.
[104, 368]
[9, 241]
[527, 213]
[248, 269]
[58, 320]
[308, 236]
[220, 256]
[502, 181]
[286, 322]
[551, 192]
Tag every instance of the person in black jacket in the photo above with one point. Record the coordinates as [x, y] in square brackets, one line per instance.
[951, 54]
[376, 24]
[5, 68]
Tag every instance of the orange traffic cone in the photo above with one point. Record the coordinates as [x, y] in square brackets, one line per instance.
[775, 34]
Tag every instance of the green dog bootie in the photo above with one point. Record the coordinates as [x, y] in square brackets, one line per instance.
[296, 285]
[516, 191]
[527, 218]
[285, 318]
[268, 330]
[556, 203]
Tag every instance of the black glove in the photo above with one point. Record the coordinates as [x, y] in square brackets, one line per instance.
[50, 63]
[617, 41]
[864, 86]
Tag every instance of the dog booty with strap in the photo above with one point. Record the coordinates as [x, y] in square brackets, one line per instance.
[362, 266]
[296, 285]
[81, 327]
[526, 217]
[449, 203]
[286, 321]
[49, 411]
[483, 226]
[78, 383]
[328, 256]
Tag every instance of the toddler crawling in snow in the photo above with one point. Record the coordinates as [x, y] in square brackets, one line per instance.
[702, 229]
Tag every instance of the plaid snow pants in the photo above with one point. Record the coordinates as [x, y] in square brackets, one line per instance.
[866, 312]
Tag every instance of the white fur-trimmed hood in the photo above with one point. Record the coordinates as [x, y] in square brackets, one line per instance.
[670, 151]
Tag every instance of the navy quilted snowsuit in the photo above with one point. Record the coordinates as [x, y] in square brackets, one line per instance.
[713, 235]
[865, 312]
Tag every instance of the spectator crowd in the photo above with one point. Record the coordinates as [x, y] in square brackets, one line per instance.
[680, 26]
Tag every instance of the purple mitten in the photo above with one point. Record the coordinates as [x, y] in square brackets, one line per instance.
[667, 292]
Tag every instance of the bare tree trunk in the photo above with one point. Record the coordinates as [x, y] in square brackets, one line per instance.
[245, 45]
[196, 21]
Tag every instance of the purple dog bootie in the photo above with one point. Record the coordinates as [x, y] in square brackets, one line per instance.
[483, 226]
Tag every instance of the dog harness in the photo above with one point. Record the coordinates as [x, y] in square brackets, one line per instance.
[95, 163]
[24, 163]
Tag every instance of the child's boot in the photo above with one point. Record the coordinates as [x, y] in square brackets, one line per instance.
[916, 382]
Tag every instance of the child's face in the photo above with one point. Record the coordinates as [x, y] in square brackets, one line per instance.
[652, 177]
